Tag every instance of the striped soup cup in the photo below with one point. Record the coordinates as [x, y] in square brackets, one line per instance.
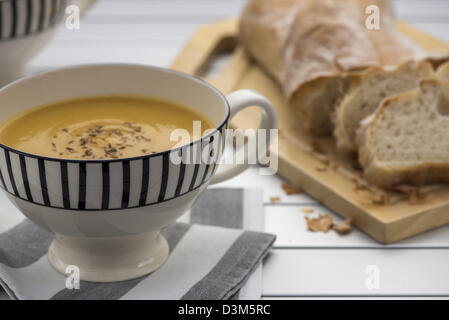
[107, 214]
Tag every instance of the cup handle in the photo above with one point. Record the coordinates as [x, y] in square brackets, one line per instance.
[238, 101]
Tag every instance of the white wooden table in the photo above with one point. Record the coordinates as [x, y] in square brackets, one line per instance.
[302, 264]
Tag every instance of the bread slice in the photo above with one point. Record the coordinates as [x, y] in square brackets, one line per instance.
[443, 72]
[406, 141]
[312, 47]
[366, 93]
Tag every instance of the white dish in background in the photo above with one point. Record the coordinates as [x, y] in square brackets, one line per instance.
[25, 28]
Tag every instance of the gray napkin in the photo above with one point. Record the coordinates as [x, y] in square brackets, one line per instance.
[213, 254]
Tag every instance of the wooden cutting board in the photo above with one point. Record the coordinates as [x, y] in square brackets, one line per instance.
[312, 163]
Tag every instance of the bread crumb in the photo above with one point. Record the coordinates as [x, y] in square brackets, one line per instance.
[334, 166]
[325, 222]
[307, 210]
[325, 161]
[343, 227]
[321, 224]
[360, 185]
[316, 147]
[275, 199]
[414, 195]
[289, 189]
[380, 200]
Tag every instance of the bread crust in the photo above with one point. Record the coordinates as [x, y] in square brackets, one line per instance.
[443, 73]
[390, 177]
[312, 47]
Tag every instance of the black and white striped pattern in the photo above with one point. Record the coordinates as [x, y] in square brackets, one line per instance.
[20, 18]
[109, 185]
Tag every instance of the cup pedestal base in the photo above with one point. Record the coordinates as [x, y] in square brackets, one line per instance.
[109, 259]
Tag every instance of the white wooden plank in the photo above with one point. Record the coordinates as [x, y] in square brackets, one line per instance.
[172, 7]
[144, 19]
[352, 272]
[271, 184]
[136, 43]
[111, 7]
[289, 225]
[422, 7]
[58, 57]
[118, 31]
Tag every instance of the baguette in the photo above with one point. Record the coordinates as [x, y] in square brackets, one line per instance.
[406, 140]
[443, 72]
[313, 48]
[366, 94]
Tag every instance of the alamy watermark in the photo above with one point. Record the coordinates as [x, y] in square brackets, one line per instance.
[372, 21]
[73, 17]
[251, 146]
[72, 281]
[372, 281]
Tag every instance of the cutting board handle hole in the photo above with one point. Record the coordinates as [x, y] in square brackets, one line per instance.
[215, 63]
